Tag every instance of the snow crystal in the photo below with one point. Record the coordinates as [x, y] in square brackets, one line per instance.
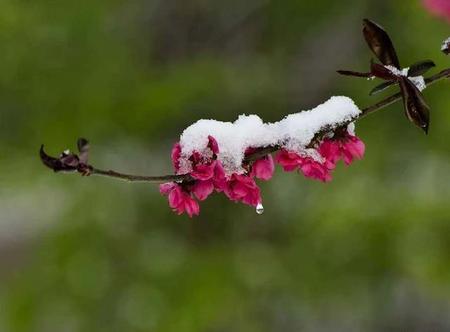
[351, 129]
[418, 81]
[294, 133]
[445, 44]
[396, 71]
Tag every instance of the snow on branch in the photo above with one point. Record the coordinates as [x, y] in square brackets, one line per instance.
[293, 133]
[228, 157]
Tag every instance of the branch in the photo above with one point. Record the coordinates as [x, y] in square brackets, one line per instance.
[76, 164]
[140, 178]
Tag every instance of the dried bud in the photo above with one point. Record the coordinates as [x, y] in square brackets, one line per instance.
[67, 161]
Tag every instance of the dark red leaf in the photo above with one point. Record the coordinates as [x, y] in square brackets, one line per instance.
[354, 73]
[383, 86]
[420, 68]
[382, 72]
[416, 108]
[380, 43]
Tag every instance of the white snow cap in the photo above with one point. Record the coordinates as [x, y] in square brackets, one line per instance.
[294, 132]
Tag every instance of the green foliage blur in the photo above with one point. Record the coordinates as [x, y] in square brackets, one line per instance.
[369, 251]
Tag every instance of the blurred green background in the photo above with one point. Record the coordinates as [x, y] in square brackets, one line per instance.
[369, 251]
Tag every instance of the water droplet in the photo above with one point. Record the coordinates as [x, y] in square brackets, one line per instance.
[259, 208]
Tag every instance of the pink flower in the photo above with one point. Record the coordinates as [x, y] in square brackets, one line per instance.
[315, 170]
[290, 161]
[200, 165]
[263, 168]
[208, 173]
[331, 151]
[180, 200]
[352, 148]
[438, 7]
[311, 168]
[243, 188]
[347, 148]
[204, 168]
[202, 189]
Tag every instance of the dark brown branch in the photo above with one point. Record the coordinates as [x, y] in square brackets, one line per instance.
[140, 178]
[257, 154]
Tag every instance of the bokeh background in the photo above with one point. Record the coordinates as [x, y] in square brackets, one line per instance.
[369, 251]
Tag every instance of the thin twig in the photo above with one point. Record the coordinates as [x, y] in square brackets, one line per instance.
[139, 178]
[264, 151]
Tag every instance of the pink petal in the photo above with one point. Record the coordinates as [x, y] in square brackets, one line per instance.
[166, 188]
[352, 148]
[243, 188]
[202, 189]
[358, 147]
[235, 189]
[176, 154]
[263, 168]
[176, 197]
[315, 170]
[253, 197]
[191, 207]
[330, 150]
[288, 160]
[240, 190]
[203, 172]
[220, 181]
[212, 144]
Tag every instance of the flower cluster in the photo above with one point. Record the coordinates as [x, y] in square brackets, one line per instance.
[344, 146]
[208, 175]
